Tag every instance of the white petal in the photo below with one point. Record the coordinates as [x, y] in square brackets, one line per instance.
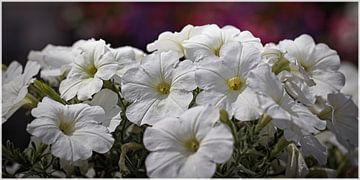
[69, 88]
[14, 70]
[345, 117]
[263, 80]
[163, 136]
[144, 111]
[311, 146]
[164, 164]
[246, 107]
[45, 129]
[222, 100]
[213, 75]
[241, 57]
[217, 144]
[138, 85]
[327, 82]
[106, 66]
[197, 166]
[184, 76]
[175, 103]
[30, 70]
[200, 120]
[88, 88]
[94, 136]
[296, 165]
[70, 149]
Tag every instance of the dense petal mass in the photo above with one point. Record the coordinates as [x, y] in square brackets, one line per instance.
[54, 60]
[73, 131]
[319, 62]
[211, 39]
[224, 81]
[188, 146]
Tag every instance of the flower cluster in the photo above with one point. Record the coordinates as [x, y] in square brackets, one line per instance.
[200, 104]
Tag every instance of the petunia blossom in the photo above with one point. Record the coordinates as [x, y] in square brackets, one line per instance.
[188, 146]
[72, 131]
[210, 40]
[15, 85]
[224, 81]
[159, 86]
[94, 63]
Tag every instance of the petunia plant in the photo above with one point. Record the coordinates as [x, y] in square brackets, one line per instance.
[207, 101]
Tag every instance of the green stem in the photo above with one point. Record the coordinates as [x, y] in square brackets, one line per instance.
[30, 101]
[224, 117]
[280, 145]
[265, 120]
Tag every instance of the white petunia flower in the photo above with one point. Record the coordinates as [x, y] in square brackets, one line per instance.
[55, 61]
[14, 86]
[225, 81]
[73, 131]
[351, 80]
[94, 63]
[128, 57]
[344, 118]
[108, 100]
[159, 86]
[188, 146]
[319, 62]
[173, 41]
[209, 41]
[295, 79]
[294, 118]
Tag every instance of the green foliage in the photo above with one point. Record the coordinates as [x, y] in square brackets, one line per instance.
[34, 161]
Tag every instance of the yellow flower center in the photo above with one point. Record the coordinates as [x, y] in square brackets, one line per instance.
[163, 88]
[305, 66]
[91, 70]
[235, 83]
[192, 145]
[217, 52]
[67, 127]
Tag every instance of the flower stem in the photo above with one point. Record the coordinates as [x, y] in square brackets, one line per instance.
[224, 117]
[265, 120]
[280, 145]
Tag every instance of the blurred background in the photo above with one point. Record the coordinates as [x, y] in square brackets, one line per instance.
[31, 26]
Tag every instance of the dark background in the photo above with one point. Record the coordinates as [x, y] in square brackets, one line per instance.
[31, 26]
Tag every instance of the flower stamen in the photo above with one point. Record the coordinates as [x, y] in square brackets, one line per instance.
[235, 83]
[163, 88]
[192, 145]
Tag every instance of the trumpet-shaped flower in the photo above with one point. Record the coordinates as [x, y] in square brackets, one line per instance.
[210, 40]
[14, 86]
[172, 41]
[73, 131]
[295, 79]
[54, 61]
[294, 118]
[94, 63]
[225, 81]
[344, 118]
[108, 100]
[319, 62]
[351, 80]
[159, 86]
[128, 57]
[188, 146]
